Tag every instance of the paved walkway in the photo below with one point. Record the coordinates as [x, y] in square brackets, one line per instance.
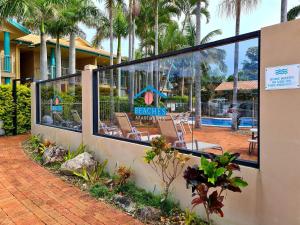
[31, 195]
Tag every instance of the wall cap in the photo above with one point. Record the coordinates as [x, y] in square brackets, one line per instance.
[90, 67]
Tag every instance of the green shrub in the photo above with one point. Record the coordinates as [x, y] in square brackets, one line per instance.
[145, 198]
[179, 99]
[23, 106]
[101, 191]
[121, 104]
[72, 154]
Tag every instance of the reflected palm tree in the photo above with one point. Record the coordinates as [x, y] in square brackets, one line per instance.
[234, 8]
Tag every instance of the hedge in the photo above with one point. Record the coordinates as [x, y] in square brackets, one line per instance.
[23, 106]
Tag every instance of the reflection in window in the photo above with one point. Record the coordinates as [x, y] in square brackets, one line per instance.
[61, 103]
[203, 101]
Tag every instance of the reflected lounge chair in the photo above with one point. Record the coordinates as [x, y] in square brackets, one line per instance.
[59, 121]
[108, 130]
[128, 130]
[76, 118]
[169, 130]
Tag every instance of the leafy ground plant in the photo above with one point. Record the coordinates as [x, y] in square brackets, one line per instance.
[34, 145]
[167, 162]
[93, 176]
[210, 179]
[124, 174]
[72, 154]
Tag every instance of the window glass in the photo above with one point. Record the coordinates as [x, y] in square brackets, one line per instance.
[61, 103]
[203, 101]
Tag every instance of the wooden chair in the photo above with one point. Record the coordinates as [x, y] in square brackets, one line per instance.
[169, 130]
[128, 130]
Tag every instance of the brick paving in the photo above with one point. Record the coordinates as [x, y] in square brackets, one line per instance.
[31, 195]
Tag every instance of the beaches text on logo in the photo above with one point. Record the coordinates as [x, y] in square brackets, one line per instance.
[148, 97]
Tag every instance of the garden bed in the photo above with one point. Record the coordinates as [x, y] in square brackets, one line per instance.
[116, 189]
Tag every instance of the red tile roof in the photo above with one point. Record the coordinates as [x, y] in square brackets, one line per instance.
[242, 85]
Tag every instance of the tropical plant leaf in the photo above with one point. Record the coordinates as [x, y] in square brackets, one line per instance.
[238, 182]
[197, 201]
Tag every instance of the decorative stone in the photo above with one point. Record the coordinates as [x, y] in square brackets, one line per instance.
[85, 187]
[83, 160]
[124, 202]
[46, 119]
[148, 213]
[54, 154]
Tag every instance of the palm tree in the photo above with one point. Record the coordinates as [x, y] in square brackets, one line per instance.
[56, 27]
[14, 8]
[78, 11]
[102, 31]
[171, 38]
[120, 30]
[283, 14]
[199, 11]
[42, 10]
[234, 8]
[293, 13]
[110, 5]
[191, 40]
[135, 10]
[38, 13]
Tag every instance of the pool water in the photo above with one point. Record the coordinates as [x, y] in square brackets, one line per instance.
[226, 122]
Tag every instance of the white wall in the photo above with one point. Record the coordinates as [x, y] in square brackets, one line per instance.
[272, 197]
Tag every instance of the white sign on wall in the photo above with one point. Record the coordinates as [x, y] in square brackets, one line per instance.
[283, 77]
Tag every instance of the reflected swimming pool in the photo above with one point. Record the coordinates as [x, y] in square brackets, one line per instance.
[245, 122]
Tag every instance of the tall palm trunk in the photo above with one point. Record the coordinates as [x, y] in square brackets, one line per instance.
[234, 124]
[156, 28]
[111, 62]
[283, 17]
[133, 33]
[58, 57]
[156, 53]
[43, 54]
[190, 100]
[129, 30]
[135, 75]
[198, 69]
[119, 69]
[131, 73]
[72, 54]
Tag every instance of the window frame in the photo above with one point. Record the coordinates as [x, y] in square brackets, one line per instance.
[38, 101]
[231, 40]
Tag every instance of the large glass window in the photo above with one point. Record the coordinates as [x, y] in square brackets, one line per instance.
[202, 101]
[61, 103]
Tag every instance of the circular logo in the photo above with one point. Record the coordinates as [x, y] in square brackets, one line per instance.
[148, 98]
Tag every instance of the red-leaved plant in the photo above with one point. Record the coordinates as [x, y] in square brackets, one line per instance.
[210, 179]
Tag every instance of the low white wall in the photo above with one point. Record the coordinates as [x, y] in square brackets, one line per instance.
[129, 154]
[272, 197]
[61, 137]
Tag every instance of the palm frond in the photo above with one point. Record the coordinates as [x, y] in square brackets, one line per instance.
[228, 7]
[293, 13]
[210, 36]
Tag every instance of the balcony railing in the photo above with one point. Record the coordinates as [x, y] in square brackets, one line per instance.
[6, 64]
[52, 71]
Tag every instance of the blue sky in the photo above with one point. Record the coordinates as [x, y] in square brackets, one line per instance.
[267, 13]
